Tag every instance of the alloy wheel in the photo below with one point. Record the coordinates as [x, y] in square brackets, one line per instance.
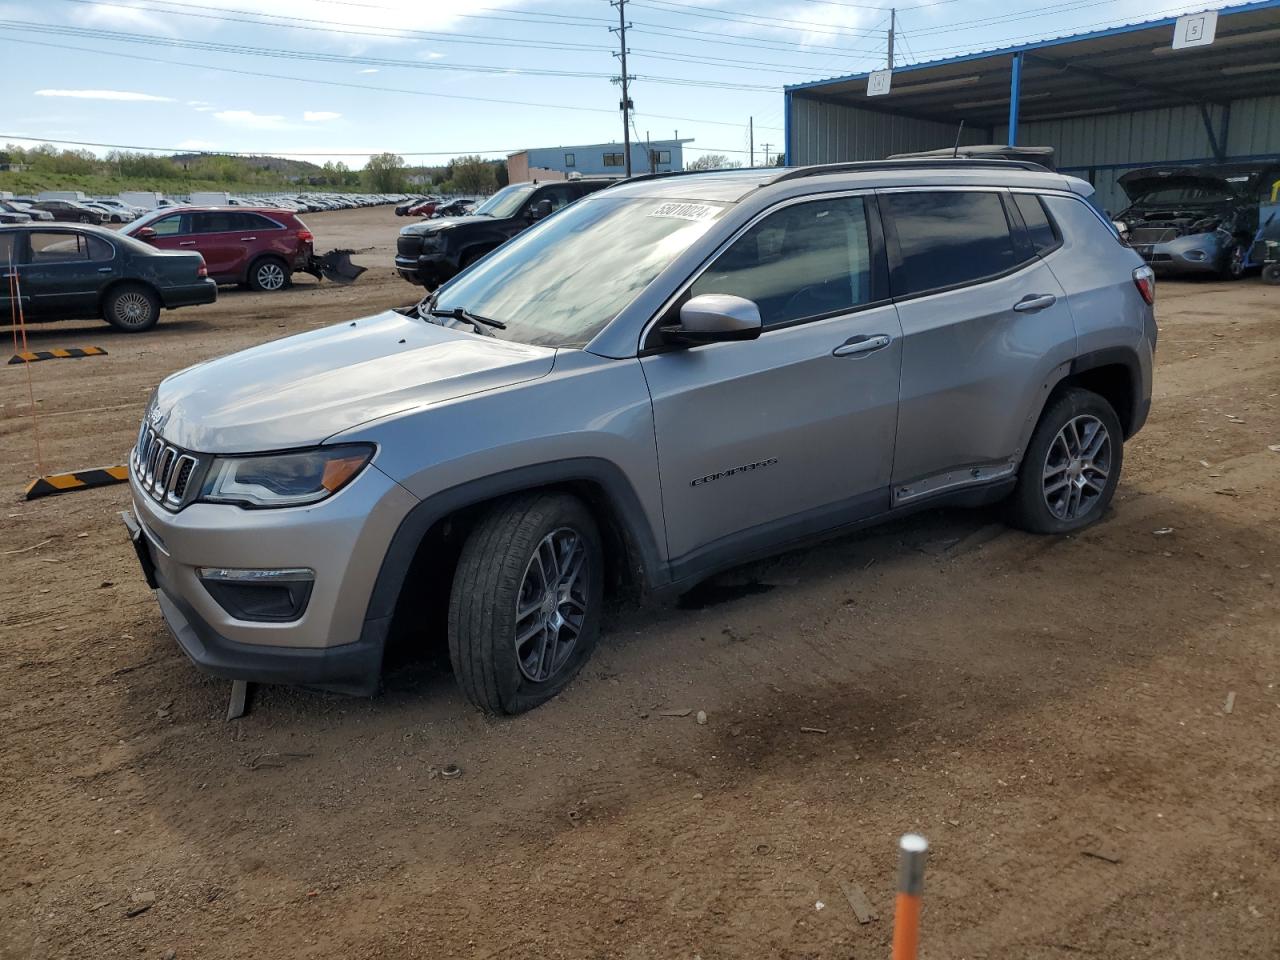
[552, 604]
[271, 276]
[1076, 467]
[132, 309]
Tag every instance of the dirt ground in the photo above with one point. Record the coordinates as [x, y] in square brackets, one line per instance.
[1050, 713]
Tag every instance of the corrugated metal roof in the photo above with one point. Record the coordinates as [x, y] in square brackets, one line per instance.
[1122, 68]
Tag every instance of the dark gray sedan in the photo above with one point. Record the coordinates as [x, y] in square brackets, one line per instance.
[68, 272]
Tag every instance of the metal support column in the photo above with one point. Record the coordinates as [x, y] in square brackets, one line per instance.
[1015, 90]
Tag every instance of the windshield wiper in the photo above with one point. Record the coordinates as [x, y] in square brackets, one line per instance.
[477, 321]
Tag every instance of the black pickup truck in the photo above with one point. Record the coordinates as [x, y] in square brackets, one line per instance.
[432, 251]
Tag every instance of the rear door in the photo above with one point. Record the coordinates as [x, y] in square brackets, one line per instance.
[984, 324]
[214, 234]
[766, 440]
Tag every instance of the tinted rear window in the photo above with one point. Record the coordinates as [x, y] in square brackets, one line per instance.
[948, 238]
[1040, 229]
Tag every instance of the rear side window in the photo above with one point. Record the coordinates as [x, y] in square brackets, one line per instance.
[1040, 229]
[219, 222]
[8, 249]
[254, 221]
[99, 249]
[807, 260]
[948, 238]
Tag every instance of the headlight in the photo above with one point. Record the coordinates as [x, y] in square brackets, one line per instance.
[432, 241]
[284, 479]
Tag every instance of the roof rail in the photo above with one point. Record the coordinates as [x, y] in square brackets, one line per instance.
[915, 163]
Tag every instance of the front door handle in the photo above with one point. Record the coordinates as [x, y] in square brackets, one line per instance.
[105, 269]
[248, 238]
[186, 243]
[861, 344]
[1033, 302]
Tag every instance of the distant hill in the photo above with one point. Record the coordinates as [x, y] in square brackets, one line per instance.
[280, 165]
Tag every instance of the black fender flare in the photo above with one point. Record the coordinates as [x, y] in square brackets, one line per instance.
[1126, 357]
[610, 478]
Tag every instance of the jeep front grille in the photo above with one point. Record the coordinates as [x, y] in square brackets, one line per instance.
[164, 471]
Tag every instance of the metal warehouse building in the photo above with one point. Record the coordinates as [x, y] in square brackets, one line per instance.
[1106, 102]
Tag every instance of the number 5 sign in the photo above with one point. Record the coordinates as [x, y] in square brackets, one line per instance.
[878, 83]
[1195, 30]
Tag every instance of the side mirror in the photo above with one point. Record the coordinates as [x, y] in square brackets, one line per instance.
[540, 210]
[145, 233]
[714, 318]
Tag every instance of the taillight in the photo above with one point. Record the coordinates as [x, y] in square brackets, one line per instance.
[306, 236]
[1144, 278]
[202, 270]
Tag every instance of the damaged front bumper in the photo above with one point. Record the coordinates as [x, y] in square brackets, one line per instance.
[1194, 253]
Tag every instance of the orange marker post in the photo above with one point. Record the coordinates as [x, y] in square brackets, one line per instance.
[913, 850]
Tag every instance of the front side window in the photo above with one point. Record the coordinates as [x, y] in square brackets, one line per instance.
[948, 238]
[8, 252]
[806, 260]
[559, 197]
[167, 226]
[58, 247]
[614, 160]
[560, 282]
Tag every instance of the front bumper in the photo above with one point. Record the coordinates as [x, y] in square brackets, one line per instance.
[1197, 253]
[342, 539]
[427, 270]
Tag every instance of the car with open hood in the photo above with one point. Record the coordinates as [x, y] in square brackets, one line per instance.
[1195, 219]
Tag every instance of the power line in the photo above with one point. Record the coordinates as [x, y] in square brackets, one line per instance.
[256, 153]
[361, 86]
[758, 20]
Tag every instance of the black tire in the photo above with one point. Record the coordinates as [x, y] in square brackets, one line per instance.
[131, 307]
[1233, 259]
[1271, 274]
[1031, 507]
[494, 573]
[269, 275]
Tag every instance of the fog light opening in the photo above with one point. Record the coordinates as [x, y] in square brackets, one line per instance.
[261, 596]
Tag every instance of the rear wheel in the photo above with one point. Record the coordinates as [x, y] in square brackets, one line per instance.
[1071, 467]
[524, 611]
[268, 275]
[1271, 273]
[131, 307]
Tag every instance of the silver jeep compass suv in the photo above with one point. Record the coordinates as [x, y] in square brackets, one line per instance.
[667, 378]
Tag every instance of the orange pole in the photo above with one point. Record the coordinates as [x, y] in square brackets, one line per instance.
[913, 850]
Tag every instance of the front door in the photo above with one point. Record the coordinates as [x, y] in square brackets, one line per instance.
[60, 276]
[984, 324]
[763, 441]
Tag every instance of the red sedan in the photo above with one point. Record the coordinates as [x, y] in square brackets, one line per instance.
[260, 247]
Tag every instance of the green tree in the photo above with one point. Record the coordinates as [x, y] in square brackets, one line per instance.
[384, 173]
[473, 175]
[712, 161]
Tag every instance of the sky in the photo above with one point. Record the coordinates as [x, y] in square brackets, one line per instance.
[429, 80]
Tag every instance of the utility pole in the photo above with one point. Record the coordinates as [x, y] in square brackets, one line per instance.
[766, 154]
[751, 128]
[893, 24]
[625, 105]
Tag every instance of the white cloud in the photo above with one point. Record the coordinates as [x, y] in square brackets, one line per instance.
[319, 116]
[251, 120]
[105, 95]
[120, 14]
[370, 70]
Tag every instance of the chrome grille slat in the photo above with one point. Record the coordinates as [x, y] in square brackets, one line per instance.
[163, 470]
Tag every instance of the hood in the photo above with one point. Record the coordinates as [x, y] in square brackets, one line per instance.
[1232, 179]
[440, 223]
[301, 390]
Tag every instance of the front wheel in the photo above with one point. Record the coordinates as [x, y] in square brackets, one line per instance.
[524, 610]
[1271, 274]
[1233, 262]
[1071, 467]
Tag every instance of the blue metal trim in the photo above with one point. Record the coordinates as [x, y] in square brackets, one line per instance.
[1015, 95]
[786, 128]
[1223, 13]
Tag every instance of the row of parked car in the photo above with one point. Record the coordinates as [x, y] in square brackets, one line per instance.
[434, 206]
[114, 210]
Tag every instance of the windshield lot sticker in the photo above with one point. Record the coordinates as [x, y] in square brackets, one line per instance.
[685, 211]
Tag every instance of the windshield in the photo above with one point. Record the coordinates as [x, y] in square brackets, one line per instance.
[559, 283]
[1182, 196]
[506, 201]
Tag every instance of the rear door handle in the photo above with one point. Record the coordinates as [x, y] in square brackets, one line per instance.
[1033, 302]
[248, 238]
[861, 344]
[186, 243]
[105, 269]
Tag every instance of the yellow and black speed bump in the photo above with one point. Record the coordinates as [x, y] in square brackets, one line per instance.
[34, 356]
[76, 480]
